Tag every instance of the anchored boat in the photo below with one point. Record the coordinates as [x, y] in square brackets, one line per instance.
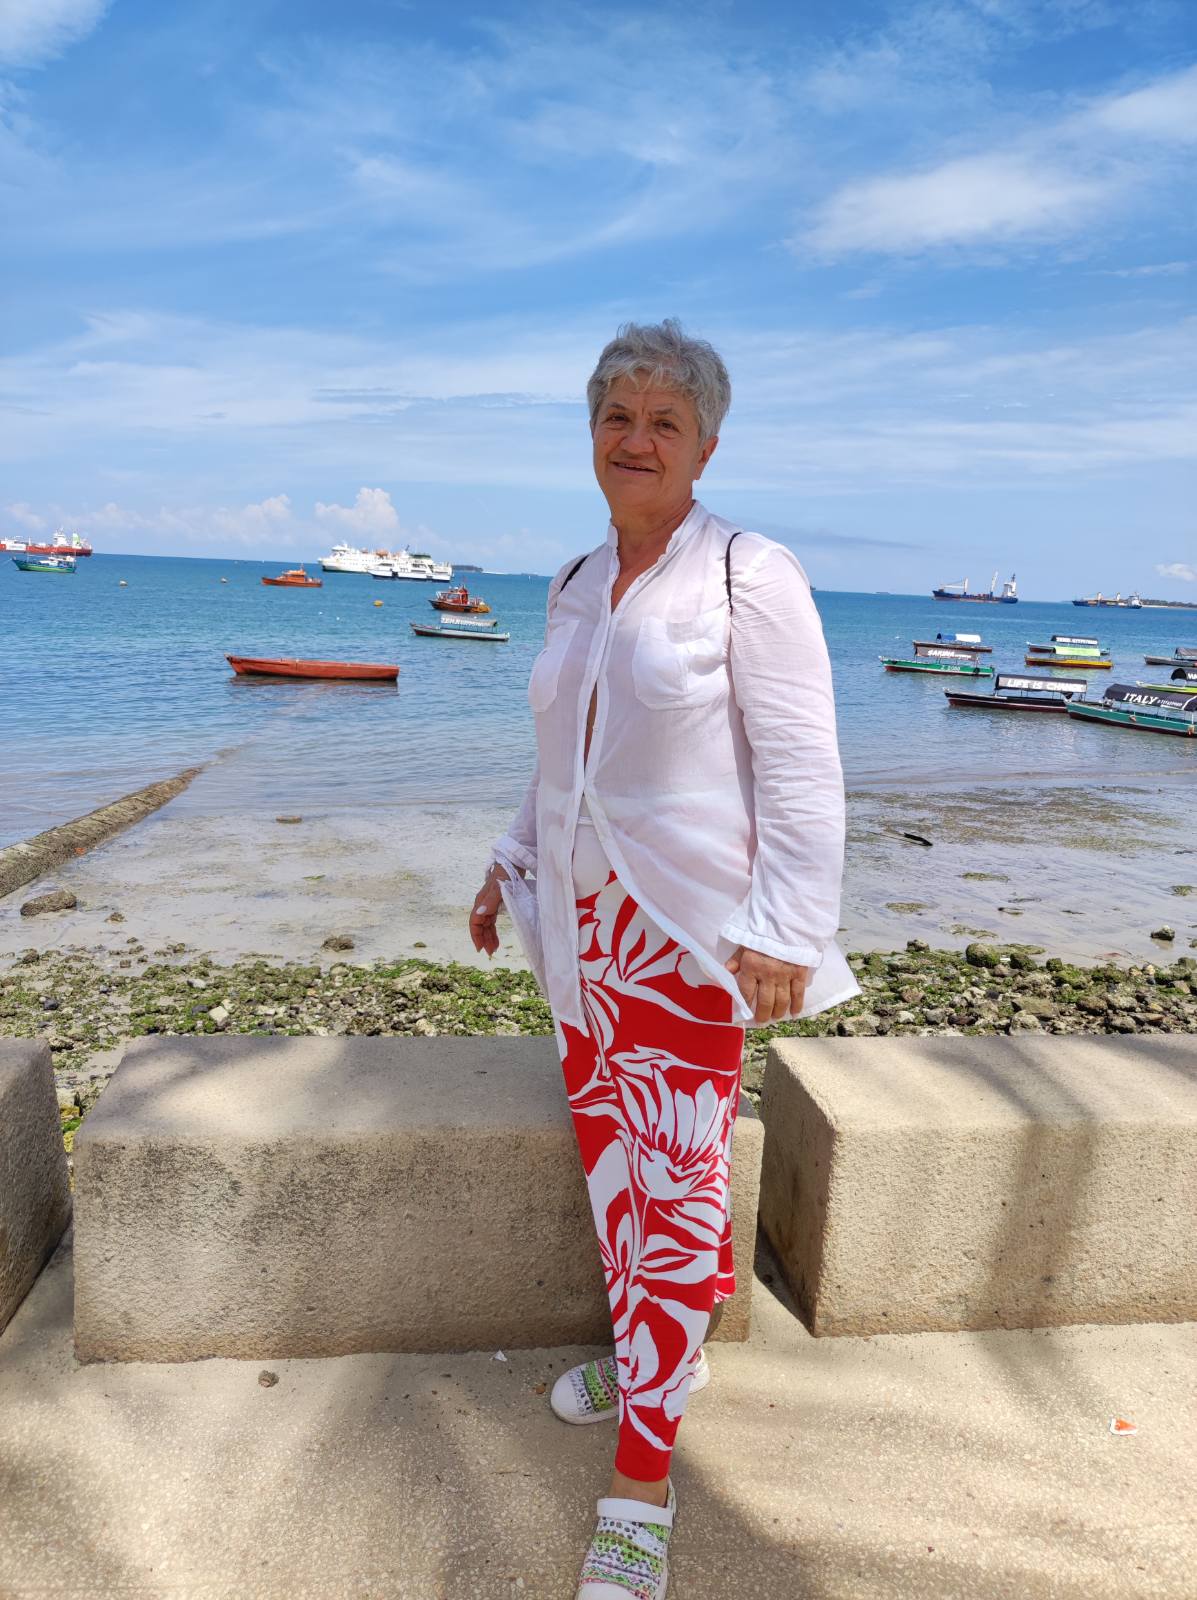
[942, 659]
[295, 578]
[457, 631]
[1130, 602]
[1182, 656]
[1129, 705]
[970, 643]
[961, 591]
[1182, 678]
[1017, 692]
[288, 667]
[1068, 650]
[45, 563]
[459, 599]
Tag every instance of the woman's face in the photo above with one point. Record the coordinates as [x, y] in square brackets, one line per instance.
[648, 451]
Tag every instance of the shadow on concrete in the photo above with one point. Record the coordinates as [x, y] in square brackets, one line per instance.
[886, 1468]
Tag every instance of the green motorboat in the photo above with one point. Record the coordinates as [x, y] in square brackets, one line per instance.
[959, 666]
[45, 563]
[1184, 679]
[1131, 705]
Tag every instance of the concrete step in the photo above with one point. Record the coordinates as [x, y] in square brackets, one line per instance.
[35, 1195]
[942, 1184]
[283, 1197]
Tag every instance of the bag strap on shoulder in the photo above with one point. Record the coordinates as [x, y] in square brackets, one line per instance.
[726, 567]
[577, 566]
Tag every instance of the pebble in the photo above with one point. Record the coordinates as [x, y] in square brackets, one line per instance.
[288, 819]
[1165, 933]
[338, 941]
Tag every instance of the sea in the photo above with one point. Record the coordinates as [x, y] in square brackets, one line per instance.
[116, 676]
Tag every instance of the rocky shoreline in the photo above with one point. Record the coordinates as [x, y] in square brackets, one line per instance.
[89, 1004]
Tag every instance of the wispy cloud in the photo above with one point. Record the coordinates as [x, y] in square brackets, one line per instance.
[1047, 183]
[34, 31]
[1183, 570]
[1159, 269]
[977, 198]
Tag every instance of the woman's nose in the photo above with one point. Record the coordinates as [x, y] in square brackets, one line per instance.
[638, 437]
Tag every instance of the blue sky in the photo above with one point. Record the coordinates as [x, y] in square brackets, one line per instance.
[278, 272]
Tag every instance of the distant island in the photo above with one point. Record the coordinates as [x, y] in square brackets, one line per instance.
[463, 566]
[1171, 605]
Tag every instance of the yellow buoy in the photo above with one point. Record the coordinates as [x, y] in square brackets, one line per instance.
[378, 602]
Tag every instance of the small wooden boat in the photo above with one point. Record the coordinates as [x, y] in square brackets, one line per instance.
[1017, 692]
[44, 563]
[1129, 705]
[1182, 656]
[483, 635]
[458, 599]
[295, 578]
[1182, 678]
[1074, 663]
[1068, 650]
[286, 667]
[969, 643]
[955, 665]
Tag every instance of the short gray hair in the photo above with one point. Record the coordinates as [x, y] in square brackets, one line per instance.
[664, 355]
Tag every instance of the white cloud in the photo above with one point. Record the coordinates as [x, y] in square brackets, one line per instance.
[1160, 269]
[1178, 569]
[371, 516]
[1165, 110]
[1046, 181]
[25, 515]
[975, 198]
[263, 523]
[33, 31]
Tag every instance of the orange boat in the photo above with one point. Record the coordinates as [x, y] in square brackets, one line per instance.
[458, 599]
[296, 578]
[358, 671]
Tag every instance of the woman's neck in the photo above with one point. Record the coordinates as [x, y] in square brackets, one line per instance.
[642, 539]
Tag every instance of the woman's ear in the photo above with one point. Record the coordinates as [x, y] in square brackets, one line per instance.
[705, 454]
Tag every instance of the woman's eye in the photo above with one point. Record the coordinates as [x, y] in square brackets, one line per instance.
[667, 427]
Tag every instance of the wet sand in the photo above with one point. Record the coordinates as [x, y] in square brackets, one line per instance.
[1086, 874]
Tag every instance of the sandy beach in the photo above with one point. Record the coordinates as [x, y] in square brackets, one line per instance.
[1085, 874]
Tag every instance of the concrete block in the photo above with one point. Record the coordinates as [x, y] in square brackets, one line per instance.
[312, 1197]
[939, 1184]
[35, 1192]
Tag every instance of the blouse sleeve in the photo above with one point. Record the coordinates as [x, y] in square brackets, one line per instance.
[782, 680]
[519, 842]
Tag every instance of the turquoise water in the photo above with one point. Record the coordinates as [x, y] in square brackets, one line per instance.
[106, 688]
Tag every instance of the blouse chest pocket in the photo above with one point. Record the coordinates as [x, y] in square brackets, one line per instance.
[546, 669]
[680, 663]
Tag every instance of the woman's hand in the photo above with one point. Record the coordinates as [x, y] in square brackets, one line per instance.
[484, 917]
[774, 989]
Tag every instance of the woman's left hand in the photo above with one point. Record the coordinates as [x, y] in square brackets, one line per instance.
[774, 989]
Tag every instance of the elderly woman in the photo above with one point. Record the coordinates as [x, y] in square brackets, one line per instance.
[684, 832]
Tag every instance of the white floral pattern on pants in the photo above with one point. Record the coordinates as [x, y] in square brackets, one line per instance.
[653, 1085]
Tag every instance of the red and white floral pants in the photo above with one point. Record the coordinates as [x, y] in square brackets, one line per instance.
[653, 1085]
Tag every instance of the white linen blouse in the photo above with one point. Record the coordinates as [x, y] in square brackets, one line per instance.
[713, 779]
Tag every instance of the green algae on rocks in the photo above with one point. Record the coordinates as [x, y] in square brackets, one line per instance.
[88, 1005]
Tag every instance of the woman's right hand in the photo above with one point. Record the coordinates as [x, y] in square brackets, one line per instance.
[484, 917]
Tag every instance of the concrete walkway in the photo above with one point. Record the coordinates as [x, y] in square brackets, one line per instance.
[973, 1466]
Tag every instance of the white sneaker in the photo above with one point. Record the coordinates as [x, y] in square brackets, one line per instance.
[590, 1392]
[628, 1557]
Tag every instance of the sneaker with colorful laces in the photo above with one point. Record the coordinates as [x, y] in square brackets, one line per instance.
[628, 1557]
[590, 1392]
